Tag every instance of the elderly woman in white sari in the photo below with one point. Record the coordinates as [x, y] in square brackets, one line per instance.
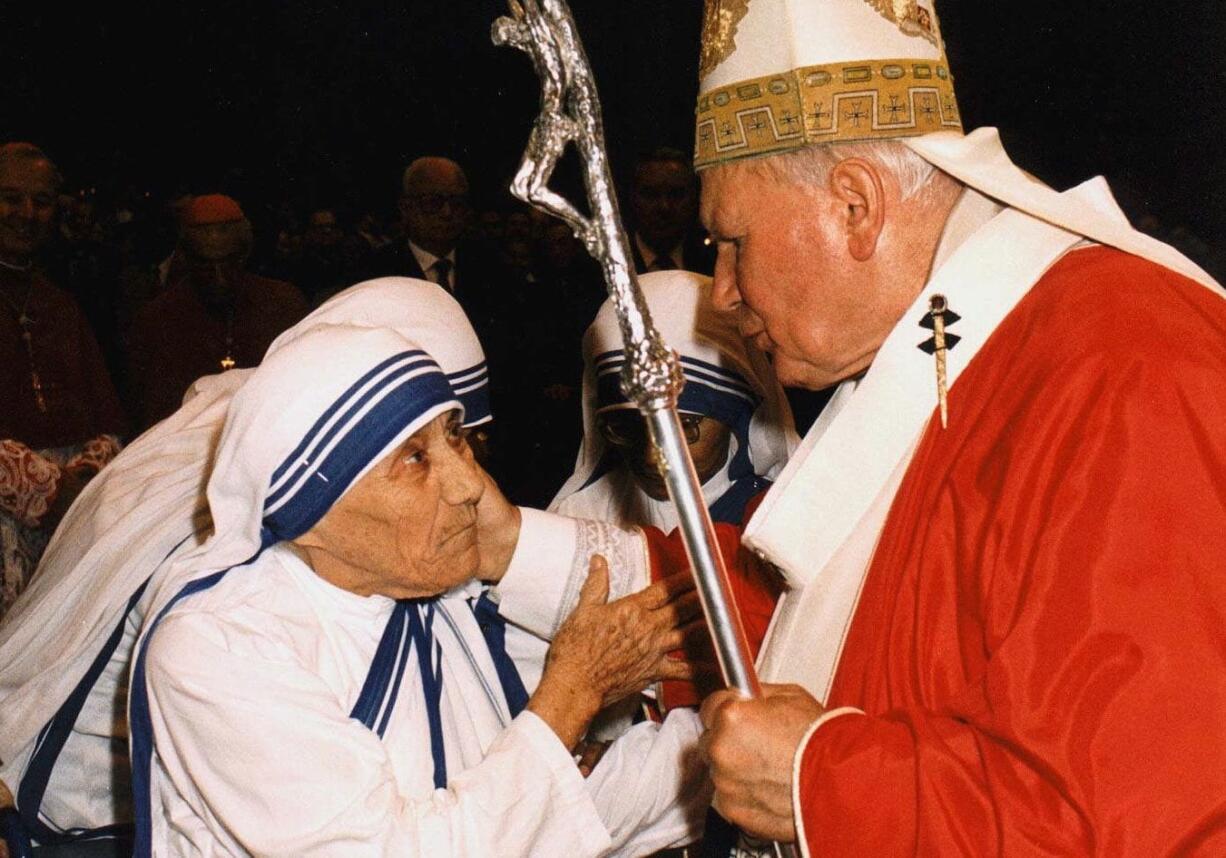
[71, 648]
[315, 680]
[65, 651]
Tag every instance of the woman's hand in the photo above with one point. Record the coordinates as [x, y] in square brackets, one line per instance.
[498, 523]
[606, 651]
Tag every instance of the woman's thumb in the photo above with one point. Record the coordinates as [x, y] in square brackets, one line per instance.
[595, 589]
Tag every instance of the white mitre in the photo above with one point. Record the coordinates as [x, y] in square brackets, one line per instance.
[782, 74]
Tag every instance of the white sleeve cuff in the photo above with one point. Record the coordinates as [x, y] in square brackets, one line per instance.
[571, 799]
[801, 839]
[550, 563]
[532, 590]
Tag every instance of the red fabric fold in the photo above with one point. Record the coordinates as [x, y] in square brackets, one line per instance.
[1040, 646]
[755, 589]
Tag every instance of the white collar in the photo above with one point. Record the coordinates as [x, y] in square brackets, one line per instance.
[325, 594]
[971, 211]
[426, 259]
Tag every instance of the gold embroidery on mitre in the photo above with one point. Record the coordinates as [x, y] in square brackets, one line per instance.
[910, 17]
[719, 22]
[832, 103]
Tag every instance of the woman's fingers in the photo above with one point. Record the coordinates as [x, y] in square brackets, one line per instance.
[589, 754]
[665, 590]
[691, 636]
[595, 590]
[671, 668]
[685, 607]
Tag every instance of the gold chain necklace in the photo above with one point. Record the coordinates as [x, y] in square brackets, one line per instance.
[26, 323]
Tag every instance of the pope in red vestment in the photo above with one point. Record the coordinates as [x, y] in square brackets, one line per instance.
[1037, 662]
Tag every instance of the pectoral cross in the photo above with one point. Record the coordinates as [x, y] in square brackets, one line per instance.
[36, 382]
[938, 316]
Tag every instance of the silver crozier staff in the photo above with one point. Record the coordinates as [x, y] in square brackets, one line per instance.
[651, 378]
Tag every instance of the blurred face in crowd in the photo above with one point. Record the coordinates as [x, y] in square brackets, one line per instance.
[215, 254]
[435, 204]
[322, 229]
[28, 190]
[491, 226]
[626, 432]
[518, 226]
[408, 528]
[664, 199]
[517, 255]
[78, 215]
[560, 247]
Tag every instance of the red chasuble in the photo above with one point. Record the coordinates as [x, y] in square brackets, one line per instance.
[1040, 645]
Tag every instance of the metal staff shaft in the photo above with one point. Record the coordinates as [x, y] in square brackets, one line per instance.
[570, 114]
[701, 547]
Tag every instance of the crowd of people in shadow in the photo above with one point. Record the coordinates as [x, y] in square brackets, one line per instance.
[115, 305]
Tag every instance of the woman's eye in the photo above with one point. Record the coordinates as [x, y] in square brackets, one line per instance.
[413, 457]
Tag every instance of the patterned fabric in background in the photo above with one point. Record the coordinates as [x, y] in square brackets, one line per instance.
[29, 484]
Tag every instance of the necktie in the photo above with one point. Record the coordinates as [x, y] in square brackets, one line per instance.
[442, 273]
[663, 262]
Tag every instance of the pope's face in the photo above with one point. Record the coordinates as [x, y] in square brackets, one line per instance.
[408, 528]
[783, 267]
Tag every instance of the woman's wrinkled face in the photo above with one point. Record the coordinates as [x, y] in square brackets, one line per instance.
[408, 528]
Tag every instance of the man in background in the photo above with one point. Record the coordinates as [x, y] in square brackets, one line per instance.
[329, 254]
[214, 317]
[435, 212]
[664, 212]
[59, 416]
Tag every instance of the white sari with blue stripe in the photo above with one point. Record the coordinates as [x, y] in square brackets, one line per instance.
[65, 654]
[261, 749]
[274, 714]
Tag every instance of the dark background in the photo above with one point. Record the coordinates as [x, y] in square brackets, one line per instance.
[322, 103]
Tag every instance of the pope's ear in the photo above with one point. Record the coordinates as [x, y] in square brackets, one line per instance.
[857, 184]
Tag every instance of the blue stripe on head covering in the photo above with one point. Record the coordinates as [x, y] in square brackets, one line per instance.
[337, 414]
[472, 387]
[710, 390]
[373, 416]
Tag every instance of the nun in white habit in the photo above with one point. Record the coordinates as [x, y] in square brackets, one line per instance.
[740, 432]
[65, 648]
[733, 410]
[315, 680]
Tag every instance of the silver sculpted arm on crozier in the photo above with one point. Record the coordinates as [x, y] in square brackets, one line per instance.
[570, 114]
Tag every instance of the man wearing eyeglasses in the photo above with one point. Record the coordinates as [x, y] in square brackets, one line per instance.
[435, 209]
[435, 212]
[435, 245]
[435, 216]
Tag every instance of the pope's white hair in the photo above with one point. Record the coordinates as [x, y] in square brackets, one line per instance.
[812, 165]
